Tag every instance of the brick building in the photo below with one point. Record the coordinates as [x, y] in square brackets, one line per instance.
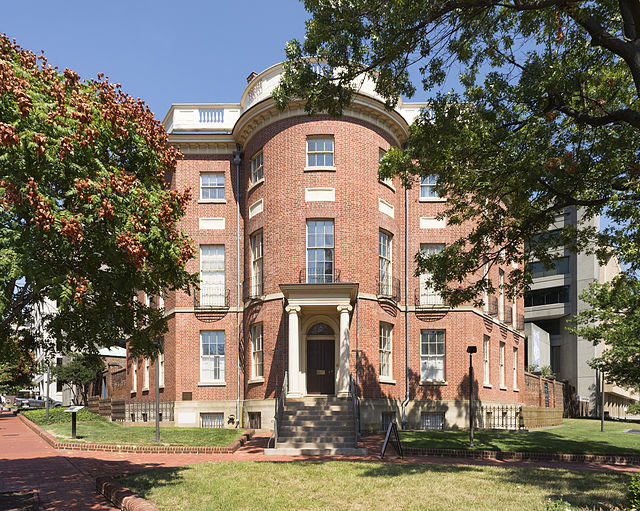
[302, 254]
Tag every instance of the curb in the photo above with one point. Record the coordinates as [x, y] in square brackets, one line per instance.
[121, 497]
[148, 449]
[525, 456]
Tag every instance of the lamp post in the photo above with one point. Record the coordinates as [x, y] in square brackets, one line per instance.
[159, 345]
[471, 350]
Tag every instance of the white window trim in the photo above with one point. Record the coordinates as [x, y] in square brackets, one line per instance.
[257, 377]
[224, 283]
[254, 263]
[253, 171]
[501, 295]
[428, 296]
[309, 168]
[218, 382]
[389, 259]
[486, 362]
[515, 370]
[428, 199]
[161, 370]
[333, 248]
[145, 382]
[501, 363]
[431, 381]
[385, 378]
[134, 376]
[223, 200]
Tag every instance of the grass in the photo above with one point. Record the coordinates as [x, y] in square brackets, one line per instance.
[579, 436]
[113, 433]
[371, 486]
[57, 415]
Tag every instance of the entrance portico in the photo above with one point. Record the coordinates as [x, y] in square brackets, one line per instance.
[326, 307]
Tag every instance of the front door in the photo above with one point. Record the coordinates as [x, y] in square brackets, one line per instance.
[320, 366]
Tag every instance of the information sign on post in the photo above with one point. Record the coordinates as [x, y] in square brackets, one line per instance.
[72, 410]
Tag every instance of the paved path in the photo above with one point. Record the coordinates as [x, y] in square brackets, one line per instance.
[66, 479]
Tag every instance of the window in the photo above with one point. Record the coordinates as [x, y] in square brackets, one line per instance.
[256, 264]
[146, 375]
[428, 296]
[320, 152]
[319, 251]
[212, 356]
[501, 361]
[384, 263]
[387, 180]
[212, 186]
[161, 372]
[427, 187]
[559, 267]
[212, 290]
[387, 419]
[546, 296]
[256, 351]
[485, 295]
[431, 420]
[256, 168]
[485, 360]
[58, 384]
[134, 376]
[212, 420]
[501, 295]
[432, 355]
[515, 368]
[386, 334]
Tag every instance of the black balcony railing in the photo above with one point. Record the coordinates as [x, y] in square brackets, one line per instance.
[252, 289]
[427, 298]
[211, 297]
[389, 288]
[318, 278]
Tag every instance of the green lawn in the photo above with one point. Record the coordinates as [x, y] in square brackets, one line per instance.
[113, 433]
[371, 486]
[574, 436]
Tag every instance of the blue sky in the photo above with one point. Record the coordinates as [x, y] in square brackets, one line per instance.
[163, 52]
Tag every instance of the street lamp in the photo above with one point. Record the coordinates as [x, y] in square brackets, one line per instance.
[159, 345]
[471, 350]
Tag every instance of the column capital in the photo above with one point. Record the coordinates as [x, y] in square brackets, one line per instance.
[293, 309]
[345, 308]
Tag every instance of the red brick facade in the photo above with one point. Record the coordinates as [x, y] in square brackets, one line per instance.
[358, 219]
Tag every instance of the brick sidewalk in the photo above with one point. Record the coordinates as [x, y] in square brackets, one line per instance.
[66, 479]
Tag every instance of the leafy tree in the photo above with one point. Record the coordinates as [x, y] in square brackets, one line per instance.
[614, 319]
[79, 373]
[86, 216]
[547, 117]
[17, 365]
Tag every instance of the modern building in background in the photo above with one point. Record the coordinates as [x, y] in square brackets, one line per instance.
[550, 305]
[307, 269]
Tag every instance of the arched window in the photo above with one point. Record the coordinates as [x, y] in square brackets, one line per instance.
[321, 329]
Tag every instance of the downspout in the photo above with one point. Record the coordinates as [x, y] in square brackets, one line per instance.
[406, 306]
[237, 159]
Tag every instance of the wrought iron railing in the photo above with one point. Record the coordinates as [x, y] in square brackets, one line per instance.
[252, 289]
[388, 287]
[279, 412]
[211, 296]
[428, 298]
[318, 278]
[356, 415]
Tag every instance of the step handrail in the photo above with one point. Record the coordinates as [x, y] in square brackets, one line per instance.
[279, 411]
[354, 401]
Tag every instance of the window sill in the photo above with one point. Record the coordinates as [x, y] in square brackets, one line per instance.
[255, 185]
[212, 201]
[388, 185]
[320, 169]
[487, 385]
[434, 382]
[259, 379]
[386, 379]
[504, 388]
[432, 199]
[161, 387]
[212, 384]
[145, 389]
[516, 390]
[133, 392]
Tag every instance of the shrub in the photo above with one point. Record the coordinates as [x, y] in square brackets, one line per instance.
[634, 492]
[634, 409]
[58, 415]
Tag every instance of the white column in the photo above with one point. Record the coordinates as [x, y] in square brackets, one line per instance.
[343, 363]
[294, 351]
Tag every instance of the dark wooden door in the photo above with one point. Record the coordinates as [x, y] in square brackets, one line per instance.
[320, 366]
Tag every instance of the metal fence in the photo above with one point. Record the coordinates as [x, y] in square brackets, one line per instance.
[499, 417]
[146, 412]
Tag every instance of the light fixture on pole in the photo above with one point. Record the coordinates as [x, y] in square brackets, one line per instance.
[160, 349]
[471, 350]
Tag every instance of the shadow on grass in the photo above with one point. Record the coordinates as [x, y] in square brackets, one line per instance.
[535, 441]
[583, 488]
